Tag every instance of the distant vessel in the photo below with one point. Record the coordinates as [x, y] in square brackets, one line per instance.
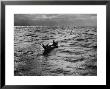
[48, 48]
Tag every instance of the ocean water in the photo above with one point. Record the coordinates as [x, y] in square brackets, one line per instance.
[76, 54]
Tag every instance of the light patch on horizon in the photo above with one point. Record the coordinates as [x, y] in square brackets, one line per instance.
[45, 16]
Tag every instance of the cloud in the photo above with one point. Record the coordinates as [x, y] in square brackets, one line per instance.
[34, 19]
[45, 16]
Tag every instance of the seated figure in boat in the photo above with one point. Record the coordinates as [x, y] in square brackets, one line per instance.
[48, 48]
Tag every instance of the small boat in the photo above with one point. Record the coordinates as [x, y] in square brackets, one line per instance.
[48, 48]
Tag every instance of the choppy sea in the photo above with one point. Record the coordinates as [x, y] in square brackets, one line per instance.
[76, 54]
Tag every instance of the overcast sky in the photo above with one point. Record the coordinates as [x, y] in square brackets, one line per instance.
[55, 19]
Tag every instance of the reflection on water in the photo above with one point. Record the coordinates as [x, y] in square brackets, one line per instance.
[75, 56]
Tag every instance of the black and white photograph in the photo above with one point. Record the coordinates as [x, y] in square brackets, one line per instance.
[55, 45]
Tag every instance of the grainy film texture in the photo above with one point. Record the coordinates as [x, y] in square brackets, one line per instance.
[55, 44]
